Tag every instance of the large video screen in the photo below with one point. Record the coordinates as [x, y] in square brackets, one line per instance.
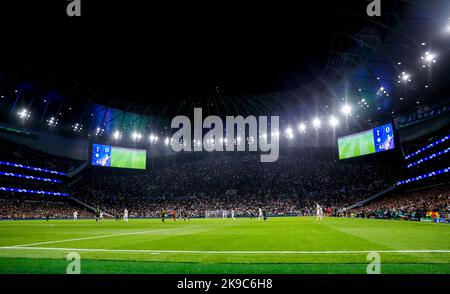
[112, 156]
[375, 140]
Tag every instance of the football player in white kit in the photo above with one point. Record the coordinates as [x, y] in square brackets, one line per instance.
[260, 214]
[232, 213]
[319, 212]
[75, 215]
[125, 215]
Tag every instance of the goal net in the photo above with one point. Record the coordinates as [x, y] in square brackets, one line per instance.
[216, 214]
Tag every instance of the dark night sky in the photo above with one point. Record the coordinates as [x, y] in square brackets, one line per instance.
[143, 52]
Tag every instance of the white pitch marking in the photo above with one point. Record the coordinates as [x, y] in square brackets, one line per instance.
[222, 252]
[104, 236]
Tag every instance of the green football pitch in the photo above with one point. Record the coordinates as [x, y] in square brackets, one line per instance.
[280, 245]
[352, 146]
[126, 158]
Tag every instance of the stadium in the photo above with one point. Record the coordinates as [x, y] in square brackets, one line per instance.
[319, 151]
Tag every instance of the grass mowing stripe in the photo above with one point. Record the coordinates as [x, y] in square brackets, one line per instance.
[99, 237]
[221, 252]
[289, 242]
[58, 266]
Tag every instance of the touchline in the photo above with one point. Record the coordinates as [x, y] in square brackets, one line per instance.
[260, 137]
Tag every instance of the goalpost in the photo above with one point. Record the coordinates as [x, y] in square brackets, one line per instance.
[216, 214]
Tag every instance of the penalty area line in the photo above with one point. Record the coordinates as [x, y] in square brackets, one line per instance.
[220, 252]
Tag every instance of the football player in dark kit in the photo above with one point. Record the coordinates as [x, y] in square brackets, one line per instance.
[97, 214]
[264, 215]
[162, 213]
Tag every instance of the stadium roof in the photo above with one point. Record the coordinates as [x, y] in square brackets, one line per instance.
[298, 62]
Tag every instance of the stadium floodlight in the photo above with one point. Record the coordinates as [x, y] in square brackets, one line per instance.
[153, 139]
[346, 109]
[136, 136]
[289, 133]
[117, 135]
[382, 91]
[302, 128]
[52, 121]
[316, 123]
[167, 141]
[405, 77]
[24, 114]
[275, 134]
[333, 121]
[77, 127]
[428, 58]
[99, 131]
[210, 142]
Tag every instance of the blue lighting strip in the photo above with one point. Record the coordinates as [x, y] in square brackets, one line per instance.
[434, 155]
[6, 189]
[427, 147]
[32, 168]
[29, 177]
[424, 176]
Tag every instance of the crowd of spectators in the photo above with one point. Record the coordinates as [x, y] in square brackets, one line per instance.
[9, 181]
[289, 186]
[21, 154]
[423, 141]
[16, 207]
[293, 185]
[408, 205]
